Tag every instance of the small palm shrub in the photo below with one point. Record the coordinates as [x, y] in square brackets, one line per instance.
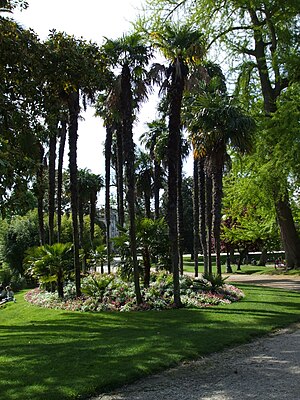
[94, 285]
[214, 281]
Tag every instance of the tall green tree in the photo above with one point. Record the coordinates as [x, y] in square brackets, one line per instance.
[131, 55]
[261, 40]
[249, 220]
[181, 45]
[20, 105]
[219, 123]
[62, 142]
[109, 108]
[152, 139]
[144, 180]
[89, 186]
[76, 68]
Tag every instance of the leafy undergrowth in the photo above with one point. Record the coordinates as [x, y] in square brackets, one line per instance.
[111, 293]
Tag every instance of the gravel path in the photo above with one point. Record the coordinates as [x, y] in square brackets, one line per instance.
[288, 282]
[266, 369]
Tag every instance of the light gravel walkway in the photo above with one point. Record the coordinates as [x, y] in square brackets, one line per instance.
[266, 369]
[288, 282]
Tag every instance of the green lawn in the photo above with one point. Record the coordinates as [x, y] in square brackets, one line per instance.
[50, 354]
[245, 269]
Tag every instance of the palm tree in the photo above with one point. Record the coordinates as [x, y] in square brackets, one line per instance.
[131, 55]
[180, 45]
[108, 149]
[89, 185]
[108, 107]
[62, 141]
[152, 139]
[144, 178]
[48, 263]
[51, 183]
[74, 68]
[95, 187]
[196, 215]
[39, 190]
[218, 122]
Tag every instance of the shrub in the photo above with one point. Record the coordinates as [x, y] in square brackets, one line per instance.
[15, 280]
[214, 281]
[112, 293]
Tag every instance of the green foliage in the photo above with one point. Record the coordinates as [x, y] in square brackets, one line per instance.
[122, 246]
[96, 284]
[249, 216]
[280, 140]
[112, 293]
[215, 281]
[21, 232]
[10, 5]
[178, 40]
[88, 184]
[153, 234]
[17, 235]
[49, 263]
[15, 280]
[74, 64]
[98, 256]
[67, 233]
[20, 104]
[129, 49]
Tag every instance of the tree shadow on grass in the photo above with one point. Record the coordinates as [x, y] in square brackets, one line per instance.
[63, 354]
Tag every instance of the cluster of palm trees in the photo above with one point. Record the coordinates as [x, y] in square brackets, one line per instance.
[213, 125]
[117, 78]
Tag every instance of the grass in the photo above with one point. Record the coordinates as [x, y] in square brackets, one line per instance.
[245, 269]
[51, 354]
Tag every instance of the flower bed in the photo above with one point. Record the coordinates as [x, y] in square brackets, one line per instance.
[111, 293]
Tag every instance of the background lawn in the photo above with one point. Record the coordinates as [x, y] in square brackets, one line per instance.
[53, 354]
[269, 269]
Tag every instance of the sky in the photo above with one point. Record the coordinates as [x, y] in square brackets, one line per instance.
[92, 20]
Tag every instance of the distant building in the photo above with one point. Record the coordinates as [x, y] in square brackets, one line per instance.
[113, 230]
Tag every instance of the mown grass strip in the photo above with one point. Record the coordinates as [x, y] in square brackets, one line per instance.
[50, 354]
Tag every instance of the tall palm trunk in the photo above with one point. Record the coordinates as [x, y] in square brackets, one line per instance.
[73, 103]
[202, 213]
[93, 202]
[62, 142]
[180, 213]
[156, 185]
[60, 285]
[217, 180]
[175, 97]
[128, 146]
[147, 200]
[40, 189]
[120, 177]
[208, 197]
[108, 145]
[147, 195]
[51, 185]
[80, 216]
[196, 216]
[217, 205]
